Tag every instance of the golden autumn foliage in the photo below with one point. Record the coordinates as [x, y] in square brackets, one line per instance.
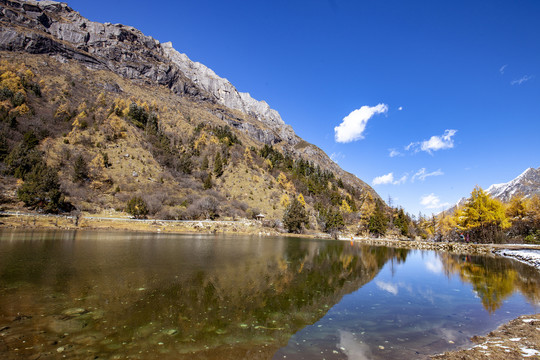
[301, 199]
[481, 210]
[345, 207]
[22, 109]
[285, 200]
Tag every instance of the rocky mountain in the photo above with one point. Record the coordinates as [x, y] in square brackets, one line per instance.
[226, 94]
[53, 28]
[526, 184]
[137, 110]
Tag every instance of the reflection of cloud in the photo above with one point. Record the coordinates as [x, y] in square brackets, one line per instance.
[449, 334]
[352, 348]
[391, 288]
[435, 266]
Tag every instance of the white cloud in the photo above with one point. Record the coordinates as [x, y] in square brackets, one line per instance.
[400, 108]
[521, 80]
[501, 70]
[432, 201]
[434, 143]
[439, 142]
[394, 153]
[391, 288]
[354, 124]
[401, 180]
[384, 179]
[422, 175]
[389, 179]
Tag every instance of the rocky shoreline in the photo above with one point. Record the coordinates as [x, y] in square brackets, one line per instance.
[518, 339]
[458, 248]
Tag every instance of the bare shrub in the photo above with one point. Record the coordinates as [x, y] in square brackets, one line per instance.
[240, 205]
[154, 201]
[252, 213]
[168, 213]
[206, 207]
[236, 154]
[230, 211]
[216, 194]
[188, 182]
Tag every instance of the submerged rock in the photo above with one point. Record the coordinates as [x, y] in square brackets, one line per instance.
[74, 311]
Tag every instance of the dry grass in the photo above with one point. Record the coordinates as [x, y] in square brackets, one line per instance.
[75, 110]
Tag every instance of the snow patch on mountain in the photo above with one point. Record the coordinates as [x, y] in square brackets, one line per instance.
[527, 184]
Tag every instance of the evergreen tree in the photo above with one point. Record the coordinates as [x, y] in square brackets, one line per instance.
[136, 207]
[378, 221]
[41, 190]
[402, 222]
[80, 170]
[207, 182]
[218, 165]
[21, 160]
[295, 217]
[4, 149]
[332, 220]
[204, 164]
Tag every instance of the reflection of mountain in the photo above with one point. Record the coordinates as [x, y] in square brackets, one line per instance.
[494, 279]
[207, 296]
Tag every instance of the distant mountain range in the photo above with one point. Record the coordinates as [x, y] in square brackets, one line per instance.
[527, 184]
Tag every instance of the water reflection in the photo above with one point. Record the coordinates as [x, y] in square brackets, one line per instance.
[494, 279]
[157, 294]
[114, 295]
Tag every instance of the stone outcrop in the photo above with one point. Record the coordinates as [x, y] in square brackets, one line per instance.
[226, 94]
[48, 27]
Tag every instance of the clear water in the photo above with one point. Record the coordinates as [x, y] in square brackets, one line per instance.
[112, 295]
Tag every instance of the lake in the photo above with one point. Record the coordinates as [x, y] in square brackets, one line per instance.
[115, 295]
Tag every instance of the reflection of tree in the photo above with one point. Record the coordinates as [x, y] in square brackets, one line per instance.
[279, 298]
[243, 301]
[494, 279]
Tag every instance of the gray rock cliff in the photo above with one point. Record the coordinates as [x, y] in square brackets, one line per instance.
[48, 27]
[226, 94]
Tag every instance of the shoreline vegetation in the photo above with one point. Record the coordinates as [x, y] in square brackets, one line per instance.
[519, 338]
[116, 222]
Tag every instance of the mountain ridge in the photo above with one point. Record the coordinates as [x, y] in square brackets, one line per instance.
[192, 107]
[526, 184]
[126, 51]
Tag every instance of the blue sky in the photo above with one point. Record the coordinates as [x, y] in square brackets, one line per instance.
[452, 87]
